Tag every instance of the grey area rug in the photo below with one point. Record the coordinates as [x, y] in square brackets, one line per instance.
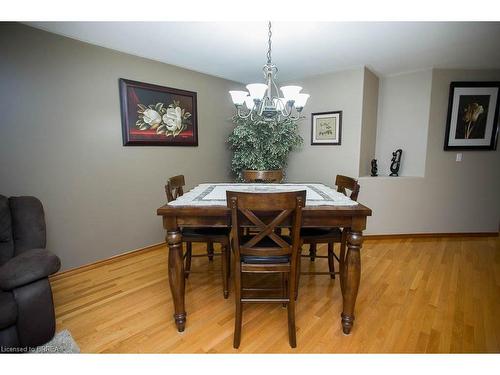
[62, 343]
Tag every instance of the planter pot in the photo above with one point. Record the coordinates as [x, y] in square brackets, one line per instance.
[274, 176]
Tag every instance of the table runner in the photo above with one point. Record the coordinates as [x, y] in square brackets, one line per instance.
[215, 194]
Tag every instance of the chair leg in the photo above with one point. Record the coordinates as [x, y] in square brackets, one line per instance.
[297, 276]
[228, 260]
[210, 251]
[292, 335]
[237, 298]
[224, 271]
[312, 252]
[187, 266]
[331, 264]
[284, 286]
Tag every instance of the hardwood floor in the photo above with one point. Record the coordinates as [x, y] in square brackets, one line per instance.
[422, 295]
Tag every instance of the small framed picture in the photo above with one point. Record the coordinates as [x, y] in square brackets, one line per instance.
[472, 122]
[154, 115]
[326, 128]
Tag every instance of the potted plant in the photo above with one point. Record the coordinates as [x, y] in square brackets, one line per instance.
[262, 145]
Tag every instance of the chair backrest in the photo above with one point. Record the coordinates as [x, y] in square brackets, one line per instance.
[345, 183]
[266, 212]
[275, 176]
[6, 240]
[174, 187]
[22, 226]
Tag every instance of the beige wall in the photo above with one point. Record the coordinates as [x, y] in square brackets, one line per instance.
[60, 136]
[403, 121]
[369, 122]
[330, 92]
[453, 196]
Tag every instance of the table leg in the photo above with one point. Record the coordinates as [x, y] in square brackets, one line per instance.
[176, 277]
[343, 243]
[351, 272]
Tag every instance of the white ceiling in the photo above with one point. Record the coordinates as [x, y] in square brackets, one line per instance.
[237, 50]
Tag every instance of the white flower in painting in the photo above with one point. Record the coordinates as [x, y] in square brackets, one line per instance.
[152, 118]
[173, 118]
[471, 114]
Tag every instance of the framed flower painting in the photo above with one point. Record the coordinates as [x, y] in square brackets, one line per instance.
[155, 115]
[472, 122]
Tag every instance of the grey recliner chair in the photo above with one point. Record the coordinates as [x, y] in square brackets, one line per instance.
[26, 308]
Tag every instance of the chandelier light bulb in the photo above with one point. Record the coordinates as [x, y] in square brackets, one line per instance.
[249, 102]
[301, 100]
[257, 90]
[238, 97]
[290, 92]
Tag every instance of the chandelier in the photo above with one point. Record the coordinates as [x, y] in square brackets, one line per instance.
[263, 100]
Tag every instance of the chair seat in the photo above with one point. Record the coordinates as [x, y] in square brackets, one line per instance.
[8, 310]
[252, 259]
[204, 234]
[265, 242]
[319, 234]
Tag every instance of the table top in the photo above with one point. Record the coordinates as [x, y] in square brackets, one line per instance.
[214, 194]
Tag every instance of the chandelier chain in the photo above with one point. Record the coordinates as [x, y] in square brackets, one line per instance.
[269, 43]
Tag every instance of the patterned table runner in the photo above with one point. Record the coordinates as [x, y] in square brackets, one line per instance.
[215, 194]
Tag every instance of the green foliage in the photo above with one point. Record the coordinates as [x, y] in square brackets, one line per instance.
[262, 145]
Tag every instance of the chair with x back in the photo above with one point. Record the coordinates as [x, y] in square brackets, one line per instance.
[315, 236]
[263, 177]
[266, 251]
[174, 189]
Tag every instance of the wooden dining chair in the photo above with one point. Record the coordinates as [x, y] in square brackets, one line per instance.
[254, 176]
[174, 189]
[274, 176]
[315, 236]
[266, 252]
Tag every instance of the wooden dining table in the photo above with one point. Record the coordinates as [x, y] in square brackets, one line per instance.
[205, 206]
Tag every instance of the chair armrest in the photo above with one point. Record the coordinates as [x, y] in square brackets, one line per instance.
[29, 266]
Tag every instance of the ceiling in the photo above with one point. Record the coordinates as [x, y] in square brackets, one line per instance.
[237, 50]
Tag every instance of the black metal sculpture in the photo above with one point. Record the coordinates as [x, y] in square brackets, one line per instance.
[374, 168]
[395, 162]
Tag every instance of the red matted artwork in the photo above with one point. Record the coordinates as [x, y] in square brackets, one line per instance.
[155, 115]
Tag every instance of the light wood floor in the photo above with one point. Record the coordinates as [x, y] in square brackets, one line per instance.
[416, 296]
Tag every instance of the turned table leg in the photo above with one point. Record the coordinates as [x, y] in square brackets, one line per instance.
[350, 276]
[343, 243]
[176, 277]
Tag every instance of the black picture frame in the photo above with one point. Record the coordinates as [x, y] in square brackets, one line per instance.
[337, 139]
[177, 123]
[464, 101]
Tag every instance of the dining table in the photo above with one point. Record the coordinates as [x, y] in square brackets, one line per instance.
[205, 206]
